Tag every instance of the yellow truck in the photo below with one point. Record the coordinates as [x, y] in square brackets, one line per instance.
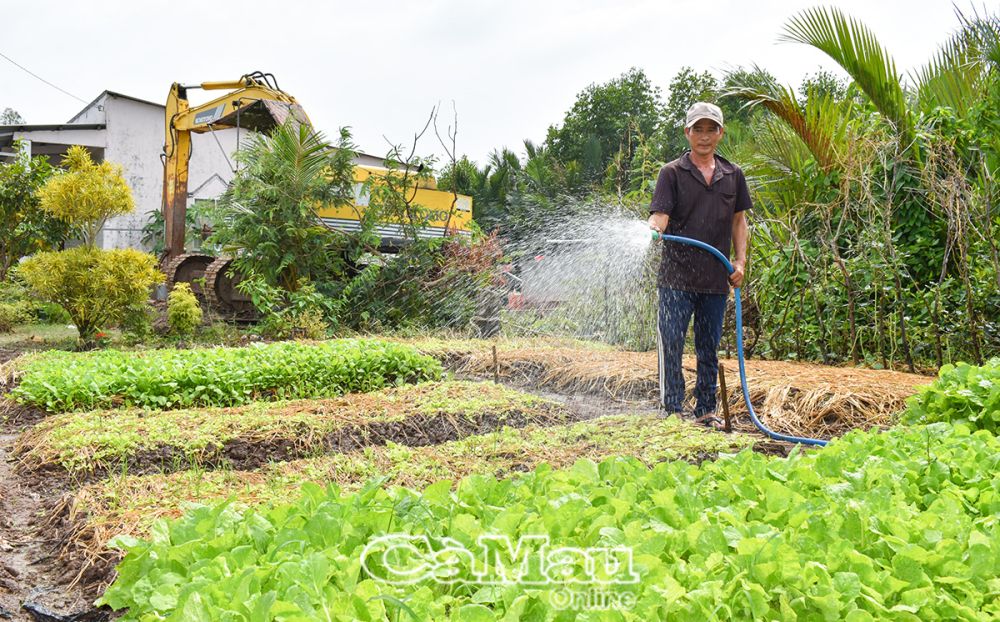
[442, 212]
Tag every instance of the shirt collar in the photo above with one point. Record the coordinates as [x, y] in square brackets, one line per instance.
[722, 165]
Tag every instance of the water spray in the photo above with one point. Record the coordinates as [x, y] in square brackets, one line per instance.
[739, 339]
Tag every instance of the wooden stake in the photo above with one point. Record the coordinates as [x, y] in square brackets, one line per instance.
[496, 366]
[725, 398]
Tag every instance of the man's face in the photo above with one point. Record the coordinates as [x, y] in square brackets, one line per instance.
[703, 136]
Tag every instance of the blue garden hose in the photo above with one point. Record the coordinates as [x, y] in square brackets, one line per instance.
[739, 340]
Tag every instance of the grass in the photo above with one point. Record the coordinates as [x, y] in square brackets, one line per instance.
[40, 337]
[131, 504]
[98, 441]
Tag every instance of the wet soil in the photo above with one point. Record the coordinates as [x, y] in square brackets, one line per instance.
[16, 418]
[36, 569]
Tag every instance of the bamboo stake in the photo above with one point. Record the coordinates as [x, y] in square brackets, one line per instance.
[725, 398]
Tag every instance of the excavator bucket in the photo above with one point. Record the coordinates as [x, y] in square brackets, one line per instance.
[263, 115]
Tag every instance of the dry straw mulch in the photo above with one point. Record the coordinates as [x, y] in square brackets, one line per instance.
[801, 399]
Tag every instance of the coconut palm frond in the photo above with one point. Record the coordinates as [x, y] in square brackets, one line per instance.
[855, 48]
[985, 31]
[301, 152]
[778, 148]
[954, 76]
[829, 121]
[820, 122]
[777, 163]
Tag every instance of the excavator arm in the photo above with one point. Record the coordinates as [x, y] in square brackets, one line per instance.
[254, 102]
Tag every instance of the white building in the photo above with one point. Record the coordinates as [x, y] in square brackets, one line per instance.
[129, 131]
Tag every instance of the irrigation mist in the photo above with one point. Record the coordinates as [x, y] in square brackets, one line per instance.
[590, 275]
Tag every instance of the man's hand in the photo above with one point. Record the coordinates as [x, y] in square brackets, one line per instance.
[658, 221]
[736, 278]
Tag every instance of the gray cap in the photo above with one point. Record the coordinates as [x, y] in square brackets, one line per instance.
[703, 110]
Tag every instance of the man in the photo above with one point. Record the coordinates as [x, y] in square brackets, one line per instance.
[701, 196]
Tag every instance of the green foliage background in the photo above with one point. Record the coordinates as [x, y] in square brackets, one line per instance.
[874, 228]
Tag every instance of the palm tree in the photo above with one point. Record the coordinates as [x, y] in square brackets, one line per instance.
[268, 216]
[836, 133]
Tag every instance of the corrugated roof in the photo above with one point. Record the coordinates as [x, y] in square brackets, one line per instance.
[50, 127]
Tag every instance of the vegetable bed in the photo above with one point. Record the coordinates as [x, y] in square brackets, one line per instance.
[962, 393]
[901, 525]
[252, 435]
[132, 503]
[63, 381]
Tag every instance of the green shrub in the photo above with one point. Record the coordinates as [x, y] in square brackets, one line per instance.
[64, 381]
[137, 323]
[14, 291]
[24, 227]
[22, 308]
[96, 287]
[50, 313]
[962, 393]
[300, 314]
[183, 311]
[430, 283]
[220, 333]
[12, 314]
[86, 194]
[308, 324]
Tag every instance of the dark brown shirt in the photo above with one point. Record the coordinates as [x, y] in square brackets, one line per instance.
[700, 211]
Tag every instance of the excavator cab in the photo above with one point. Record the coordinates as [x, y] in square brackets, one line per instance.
[254, 103]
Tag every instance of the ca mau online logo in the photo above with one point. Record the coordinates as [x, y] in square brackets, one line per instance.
[581, 578]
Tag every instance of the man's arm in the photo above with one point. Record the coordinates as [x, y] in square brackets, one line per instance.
[662, 203]
[740, 235]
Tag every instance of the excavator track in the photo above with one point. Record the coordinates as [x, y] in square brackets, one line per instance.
[221, 294]
[188, 268]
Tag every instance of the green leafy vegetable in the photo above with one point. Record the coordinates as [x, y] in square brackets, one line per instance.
[962, 393]
[62, 381]
[900, 525]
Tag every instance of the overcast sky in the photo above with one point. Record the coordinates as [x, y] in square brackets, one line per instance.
[511, 67]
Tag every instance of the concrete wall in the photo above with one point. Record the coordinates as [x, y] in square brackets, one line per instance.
[134, 142]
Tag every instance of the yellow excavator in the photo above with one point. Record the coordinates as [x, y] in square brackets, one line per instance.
[255, 103]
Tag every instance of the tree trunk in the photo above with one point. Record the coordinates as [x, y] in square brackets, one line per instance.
[937, 300]
[970, 308]
[902, 323]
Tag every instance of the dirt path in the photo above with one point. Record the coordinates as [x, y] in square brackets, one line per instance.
[33, 587]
